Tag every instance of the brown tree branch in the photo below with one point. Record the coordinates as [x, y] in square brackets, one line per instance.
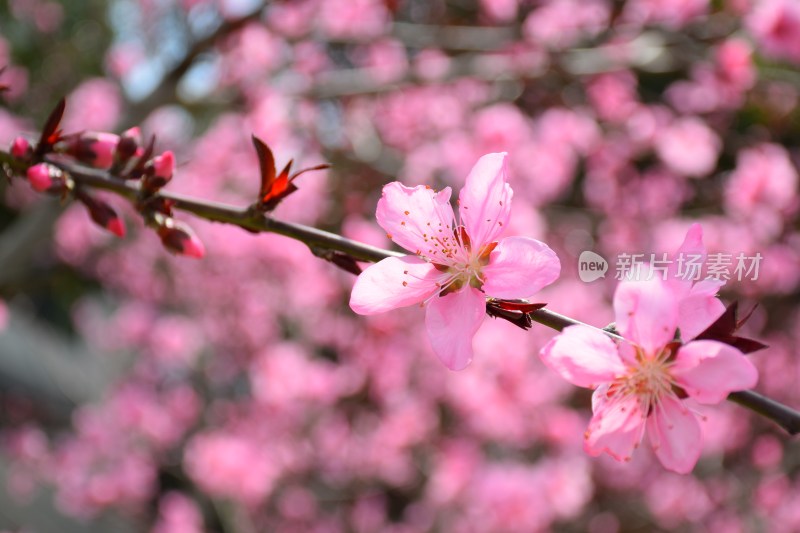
[257, 222]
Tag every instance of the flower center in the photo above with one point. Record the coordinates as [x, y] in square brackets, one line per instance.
[648, 378]
[466, 267]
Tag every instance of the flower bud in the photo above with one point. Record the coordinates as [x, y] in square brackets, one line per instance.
[103, 214]
[44, 177]
[130, 143]
[21, 148]
[180, 239]
[159, 171]
[94, 148]
[164, 165]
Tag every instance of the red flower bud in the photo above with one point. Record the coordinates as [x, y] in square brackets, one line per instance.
[94, 148]
[159, 171]
[43, 177]
[180, 239]
[21, 148]
[134, 134]
[164, 165]
[130, 144]
[103, 214]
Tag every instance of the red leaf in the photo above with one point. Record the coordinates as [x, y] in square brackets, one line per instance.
[725, 327]
[309, 169]
[50, 132]
[279, 188]
[275, 186]
[266, 164]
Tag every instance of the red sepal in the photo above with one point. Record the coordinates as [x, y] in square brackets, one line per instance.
[725, 327]
[518, 305]
[515, 311]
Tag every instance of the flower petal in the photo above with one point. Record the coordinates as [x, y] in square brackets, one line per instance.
[452, 320]
[675, 435]
[584, 356]
[709, 370]
[646, 313]
[485, 201]
[394, 282]
[700, 308]
[616, 427]
[519, 267]
[691, 249]
[419, 219]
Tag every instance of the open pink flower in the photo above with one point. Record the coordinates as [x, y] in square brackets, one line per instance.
[455, 266]
[641, 381]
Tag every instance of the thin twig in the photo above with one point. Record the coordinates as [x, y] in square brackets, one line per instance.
[257, 222]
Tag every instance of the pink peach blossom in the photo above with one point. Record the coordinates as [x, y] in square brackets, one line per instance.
[640, 382]
[96, 104]
[775, 25]
[689, 147]
[563, 23]
[178, 513]
[734, 63]
[500, 10]
[455, 266]
[764, 177]
[228, 465]
[613, 95]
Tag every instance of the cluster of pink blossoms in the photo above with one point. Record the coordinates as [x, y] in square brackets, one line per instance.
[640, 381]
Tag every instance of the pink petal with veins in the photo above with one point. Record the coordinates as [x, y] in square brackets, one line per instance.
[674, 433]
[520, 267]
[416, 217]
[485, 201]
[452, 320]
[691, 247]
[616, 427]
[584, 356]
[646, 313]
[709, 370]
[393, 282]
[699, 308]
